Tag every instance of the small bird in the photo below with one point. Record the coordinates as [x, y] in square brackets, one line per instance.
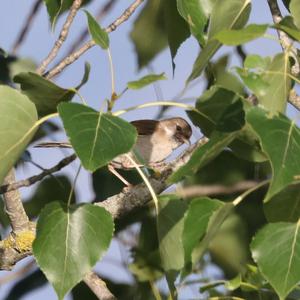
[156, 141]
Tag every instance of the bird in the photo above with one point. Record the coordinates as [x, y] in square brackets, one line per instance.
[156, 141]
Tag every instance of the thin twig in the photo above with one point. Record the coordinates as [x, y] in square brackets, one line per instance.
[285, 41]
[26, 26]
[215, 189]
[62, 37]
[14, 207]
[98, 286]
[100, 15]
[75, 55]
[12, 186]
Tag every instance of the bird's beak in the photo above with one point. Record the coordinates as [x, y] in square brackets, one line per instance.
[187, 141]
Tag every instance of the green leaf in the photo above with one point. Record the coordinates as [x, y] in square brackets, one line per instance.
[56, 7]
[203, 155]
[170, 222]
[223, 77]
[285, 206]
[193, 12]
[254, 61]
[148, 33]
[96, 137]
[295, 11]
[254, 82]
[215, 222]
[17, 127]
[44, 93]
[70, 241]
[225, 15]
[53, 8]
[216, 105]
[176, 28]
[277, 91]
[195, 223]
[99, 35]
[292, 32]
[49, 190]
[276, 248]
[284, 156]
[235, 37]
[146, 80]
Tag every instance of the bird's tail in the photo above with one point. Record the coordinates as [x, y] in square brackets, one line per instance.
[53, 145]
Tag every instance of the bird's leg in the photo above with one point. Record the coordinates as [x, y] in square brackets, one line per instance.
[118, 175]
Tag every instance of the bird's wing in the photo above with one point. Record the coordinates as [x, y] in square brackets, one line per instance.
[145, 127]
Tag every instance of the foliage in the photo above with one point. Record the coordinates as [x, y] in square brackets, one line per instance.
[251, 234]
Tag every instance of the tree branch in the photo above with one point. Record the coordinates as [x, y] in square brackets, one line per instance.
[98, 286]
[215, 189]
[139, 195]
[75, 55]
[26, 26]
[117, 205]
[14, 207]
[287, 46]
[62, 37]
[33, 179]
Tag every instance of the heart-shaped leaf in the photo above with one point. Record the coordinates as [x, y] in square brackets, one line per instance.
[99, 35]
[96, 137]
[18, 117]
[70, 241]
[284, 156]
[45, 94]
[276, 248]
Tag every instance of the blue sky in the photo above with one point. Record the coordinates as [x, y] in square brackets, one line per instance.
[41, 39]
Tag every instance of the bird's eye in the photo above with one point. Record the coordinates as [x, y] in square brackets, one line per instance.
[178, 128]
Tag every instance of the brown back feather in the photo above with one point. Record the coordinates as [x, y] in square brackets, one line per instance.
[145, 127]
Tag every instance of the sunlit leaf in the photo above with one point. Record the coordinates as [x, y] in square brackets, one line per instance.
[295, 11]
[170, 222]
[96, 137]
[225, 15]
[146, 80]
[69, 242]
[275, 96]
[195, 223]
[276, 248]
[18, 117]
